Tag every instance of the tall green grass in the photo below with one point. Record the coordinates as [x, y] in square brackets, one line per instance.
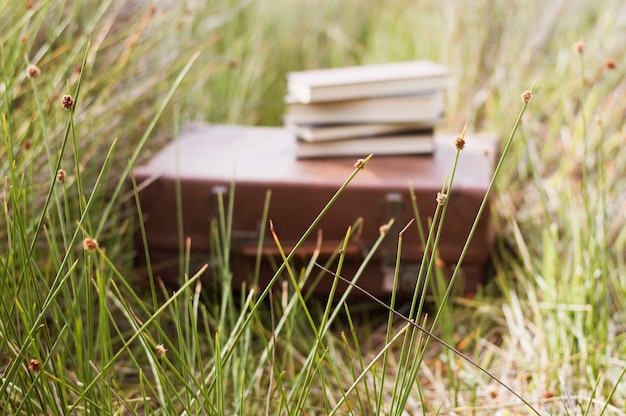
[78, 336]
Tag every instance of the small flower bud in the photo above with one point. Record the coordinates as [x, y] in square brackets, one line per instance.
[610, 63]
[33, 71]
[359, 163]
[61, 175]
[459, 143]
[492, 391]
[526, 95]
[161, 350]
[579, 46]
[90, 244]
[67, 102]
[34, 365]
[441, 198]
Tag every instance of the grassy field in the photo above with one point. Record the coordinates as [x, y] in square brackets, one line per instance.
[79, 336]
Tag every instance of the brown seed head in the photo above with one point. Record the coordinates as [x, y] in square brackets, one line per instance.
[610, 63]
[61, 175]
[459, 143]
[34, 365]
[33, 71]
[441, 198]
[579, 46]
[526, 95]
[67, 102]
[383, 229]
[90, 244]
[161, 350]
[359, 163]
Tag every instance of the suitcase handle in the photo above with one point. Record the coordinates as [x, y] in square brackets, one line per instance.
[306, 250]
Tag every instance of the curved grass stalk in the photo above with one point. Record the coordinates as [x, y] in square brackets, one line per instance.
[246, 316]
[429, 334]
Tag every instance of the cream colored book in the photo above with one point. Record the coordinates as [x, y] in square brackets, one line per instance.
[352, 82]
[420, 108]
[321, 132]
[400, 144]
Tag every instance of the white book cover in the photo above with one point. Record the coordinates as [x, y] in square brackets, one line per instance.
[321, 132]
[402, 144]
[420, 108]
[363, 81]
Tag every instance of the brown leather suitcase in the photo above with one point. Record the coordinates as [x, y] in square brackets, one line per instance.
[207, 159]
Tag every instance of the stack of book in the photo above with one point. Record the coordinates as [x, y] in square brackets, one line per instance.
[385, 109]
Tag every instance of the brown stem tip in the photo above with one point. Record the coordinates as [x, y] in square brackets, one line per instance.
[90, 244]
[34, 365]
[33, 71]
[67, 102]
[610, 63]
[61, 175]
[459, 143]
[161, 350]
[579, 46]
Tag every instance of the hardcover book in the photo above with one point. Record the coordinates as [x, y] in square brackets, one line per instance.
[419, 142]
[363, 81]
[390, 109]
[321, 132]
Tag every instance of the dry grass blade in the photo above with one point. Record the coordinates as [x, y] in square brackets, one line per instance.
[431, 335]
